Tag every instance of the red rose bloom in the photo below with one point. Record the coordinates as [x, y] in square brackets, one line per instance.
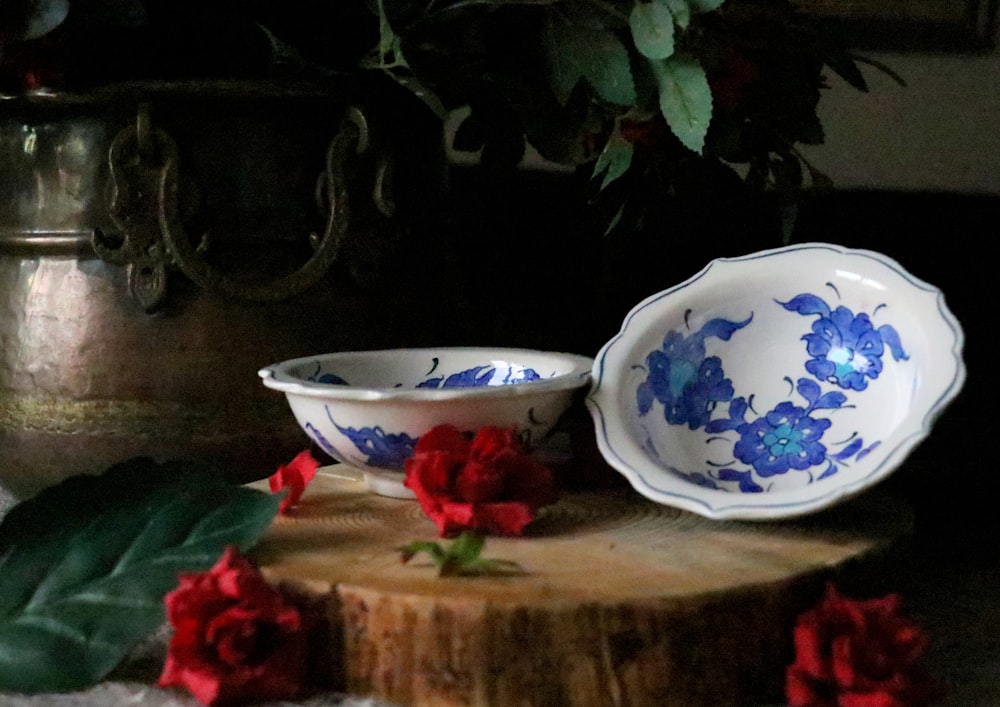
[294, 476]
[236, 637]
[858, 653]
[487, 483]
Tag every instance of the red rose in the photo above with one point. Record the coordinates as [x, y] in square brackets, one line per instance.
[488, 483]
[236, 637]
[294, 476]
[858, 653]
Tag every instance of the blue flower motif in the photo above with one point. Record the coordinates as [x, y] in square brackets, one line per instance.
[680, 377]
[785, 438]
[846, 349]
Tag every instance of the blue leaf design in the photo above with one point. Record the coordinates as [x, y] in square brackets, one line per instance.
[865, 452]
[323, 441]
[471, 378]
[809, 390]
[723, 328]
[830, 401]
[745, 479]
[849, 451]
[891, 339]
[830, 471]
[644, 397]
[806, 304]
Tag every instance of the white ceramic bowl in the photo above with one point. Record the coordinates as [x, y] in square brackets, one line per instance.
[777, 383]
[367, 409]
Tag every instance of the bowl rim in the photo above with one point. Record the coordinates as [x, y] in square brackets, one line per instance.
[277, 377]
[602, 400]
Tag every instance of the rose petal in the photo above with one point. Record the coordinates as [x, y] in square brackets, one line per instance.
[491, 442]
[444, 438]
[479, 482]
[810, 648]
[294, 477]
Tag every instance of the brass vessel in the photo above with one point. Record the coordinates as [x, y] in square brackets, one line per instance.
[160, 242]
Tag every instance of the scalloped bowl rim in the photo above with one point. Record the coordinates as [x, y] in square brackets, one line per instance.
[279, 377]
[619, 449]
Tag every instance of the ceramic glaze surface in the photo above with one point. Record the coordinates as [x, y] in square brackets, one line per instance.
[776, 383]
[368, 408]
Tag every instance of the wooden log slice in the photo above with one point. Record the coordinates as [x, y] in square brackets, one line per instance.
[622, 602]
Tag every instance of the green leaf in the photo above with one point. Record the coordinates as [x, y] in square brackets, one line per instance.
[685, 98]
[580, 52]
[652, 26]
[388, 40]
[463, 558]
[615, 158]
[681, 12]
[85, 565]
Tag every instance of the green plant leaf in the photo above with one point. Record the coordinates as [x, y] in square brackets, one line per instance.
[85, 565]
[577, 51]
[681, 11]
[685, 98]
[652, 26]
[463, 558]
[615, 158]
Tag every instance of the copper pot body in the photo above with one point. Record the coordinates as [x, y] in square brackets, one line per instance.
[91, 375]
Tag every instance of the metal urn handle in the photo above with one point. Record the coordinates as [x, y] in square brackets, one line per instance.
[150, 238]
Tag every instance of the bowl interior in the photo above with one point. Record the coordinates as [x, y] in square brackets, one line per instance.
[780, 382]
[411, 369]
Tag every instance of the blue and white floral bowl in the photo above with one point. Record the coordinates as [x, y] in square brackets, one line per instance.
[777, 383]
[367, 409]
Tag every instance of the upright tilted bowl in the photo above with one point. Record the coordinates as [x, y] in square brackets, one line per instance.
[777, 383]
[367, 409]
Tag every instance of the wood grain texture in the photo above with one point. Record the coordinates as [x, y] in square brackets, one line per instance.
[623, 601]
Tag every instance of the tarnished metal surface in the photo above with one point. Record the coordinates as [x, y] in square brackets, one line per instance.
[90, 375]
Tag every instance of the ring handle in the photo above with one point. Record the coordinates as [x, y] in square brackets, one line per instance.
[352, 139]
[143, 206]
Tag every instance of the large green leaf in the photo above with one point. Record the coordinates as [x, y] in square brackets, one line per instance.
[578, 51]
[652, 25]
[685, 98]
[84, 566]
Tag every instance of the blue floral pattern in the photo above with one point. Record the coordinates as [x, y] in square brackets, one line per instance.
[480, 376]
[388, 450]
[844, 349]
[688, 384]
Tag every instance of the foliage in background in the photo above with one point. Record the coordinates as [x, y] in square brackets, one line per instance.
[635, 91]
[636, 88]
